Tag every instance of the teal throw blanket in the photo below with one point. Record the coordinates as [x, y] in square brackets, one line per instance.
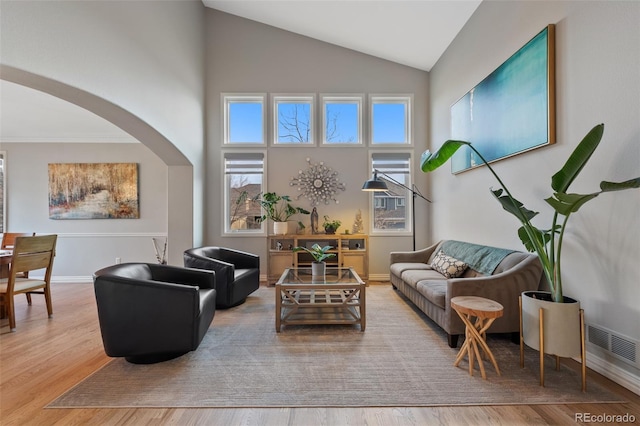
[483, 259]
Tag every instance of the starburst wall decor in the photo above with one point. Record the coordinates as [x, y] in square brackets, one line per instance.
[319, 183]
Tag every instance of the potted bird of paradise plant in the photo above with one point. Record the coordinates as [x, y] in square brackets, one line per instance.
[545, 242]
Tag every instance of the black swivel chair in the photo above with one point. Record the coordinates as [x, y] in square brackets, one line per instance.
[237, 272]
[150, 313]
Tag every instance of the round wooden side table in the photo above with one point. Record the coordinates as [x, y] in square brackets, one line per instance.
[486, 311]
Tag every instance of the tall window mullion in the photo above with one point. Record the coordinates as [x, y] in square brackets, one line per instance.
[243, 182]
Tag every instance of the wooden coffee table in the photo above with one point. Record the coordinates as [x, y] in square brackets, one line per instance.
[336, 298]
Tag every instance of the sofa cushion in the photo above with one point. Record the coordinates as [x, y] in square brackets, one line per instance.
[398, 268]
[448, 266]
[435, 291]
[413, 276]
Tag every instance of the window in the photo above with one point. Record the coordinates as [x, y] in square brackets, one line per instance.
[391, 211]
[243, 181]
[342, 120]
[293, 120]
[390, 120]
[244, 119]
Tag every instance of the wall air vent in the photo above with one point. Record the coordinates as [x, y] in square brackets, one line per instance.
[622, 347]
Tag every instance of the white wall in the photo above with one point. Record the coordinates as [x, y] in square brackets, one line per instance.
[246, 56]
[136, 64]
[598, 81]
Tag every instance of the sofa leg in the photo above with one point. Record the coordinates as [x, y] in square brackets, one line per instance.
[453, 340]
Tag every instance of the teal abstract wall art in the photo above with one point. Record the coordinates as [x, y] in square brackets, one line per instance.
[512, 110]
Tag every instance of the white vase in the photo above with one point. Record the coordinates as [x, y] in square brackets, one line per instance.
[318, 269]
[280, 228]
[561, 324]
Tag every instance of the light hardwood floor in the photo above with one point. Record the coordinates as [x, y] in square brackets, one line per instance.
[45, 357]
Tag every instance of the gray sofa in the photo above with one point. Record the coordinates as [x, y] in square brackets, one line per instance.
[497, 274]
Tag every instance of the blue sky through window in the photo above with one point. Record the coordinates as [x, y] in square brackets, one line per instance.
[389, 123]
[294, 123]
[341, 123]
[245, 122]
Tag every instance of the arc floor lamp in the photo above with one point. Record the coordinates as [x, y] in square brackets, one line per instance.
[378, 185]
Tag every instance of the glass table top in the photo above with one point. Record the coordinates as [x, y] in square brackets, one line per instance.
[332, 276]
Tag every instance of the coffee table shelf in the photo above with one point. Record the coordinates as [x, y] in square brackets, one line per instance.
[337, 298]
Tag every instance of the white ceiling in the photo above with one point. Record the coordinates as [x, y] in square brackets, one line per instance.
[412, 32]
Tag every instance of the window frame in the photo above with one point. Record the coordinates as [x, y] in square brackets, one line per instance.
[358, 99]
[302, 98]
[227, 99]
[405, 99]
[408, 230]
[226, 231]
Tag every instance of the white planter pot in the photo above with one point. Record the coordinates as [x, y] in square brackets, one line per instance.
[280, 228]
[561, 324]
[318, 269]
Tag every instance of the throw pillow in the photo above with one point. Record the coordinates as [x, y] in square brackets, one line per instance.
[448, 266]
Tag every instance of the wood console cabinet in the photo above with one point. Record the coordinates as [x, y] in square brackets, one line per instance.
[350, 249]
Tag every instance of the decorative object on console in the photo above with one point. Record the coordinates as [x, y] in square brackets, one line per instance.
[379, 185]
[544, 242]
[330, 226]
[512, 110]
[314, 221]
[357, 223]
[319, 183]
[93, 191]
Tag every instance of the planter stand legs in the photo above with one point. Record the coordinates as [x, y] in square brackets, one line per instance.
[583, 353]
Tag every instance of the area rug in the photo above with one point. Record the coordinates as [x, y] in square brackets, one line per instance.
[402, 359]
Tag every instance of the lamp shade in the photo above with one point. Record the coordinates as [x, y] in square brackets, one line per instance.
[375, 184]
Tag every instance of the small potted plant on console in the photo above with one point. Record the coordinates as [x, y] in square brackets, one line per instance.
[330, 226]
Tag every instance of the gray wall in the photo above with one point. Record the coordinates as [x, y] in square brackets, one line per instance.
[137, 64]
[246, 56]
[85, 246]
[598, 81]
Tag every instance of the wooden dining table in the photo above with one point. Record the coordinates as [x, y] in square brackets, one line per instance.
[5, 260]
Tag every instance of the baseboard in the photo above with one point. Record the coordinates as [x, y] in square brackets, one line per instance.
[614, 373]
[379, 277]
[71, 279]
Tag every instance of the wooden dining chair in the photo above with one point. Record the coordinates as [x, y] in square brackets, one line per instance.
[29, 254]
[8, 241]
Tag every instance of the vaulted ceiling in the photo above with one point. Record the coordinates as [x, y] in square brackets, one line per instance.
[413, 33]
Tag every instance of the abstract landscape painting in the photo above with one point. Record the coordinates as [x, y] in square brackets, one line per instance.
[512, 110]
[93, 191]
